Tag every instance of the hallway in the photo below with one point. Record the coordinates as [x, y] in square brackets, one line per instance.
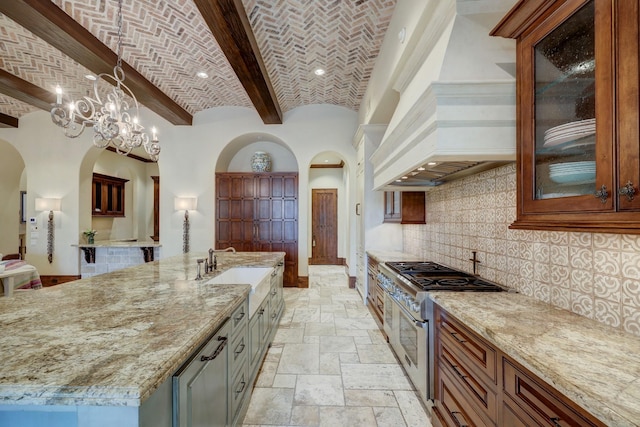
[330, 365]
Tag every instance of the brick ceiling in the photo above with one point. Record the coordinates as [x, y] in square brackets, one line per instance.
[167, 41]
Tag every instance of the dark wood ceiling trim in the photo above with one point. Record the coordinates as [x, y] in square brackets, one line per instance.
[328, 165]
[47, 21]
[230, 25]
[22, 90]
[7, 121]
[131, 155]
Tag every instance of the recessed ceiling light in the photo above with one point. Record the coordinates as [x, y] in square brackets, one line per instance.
[405, 177]
[91, 77]
[319, 72]
[421, 168]
[432, 163]
[202, 74]
[398, 180]
[326, 160]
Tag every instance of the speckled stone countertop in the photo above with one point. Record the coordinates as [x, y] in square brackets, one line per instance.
[384, 256]
[594, 365]
[113, 339]
[120, 244]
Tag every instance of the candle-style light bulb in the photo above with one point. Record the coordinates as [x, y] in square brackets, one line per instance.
[58, 95]
[153, 133]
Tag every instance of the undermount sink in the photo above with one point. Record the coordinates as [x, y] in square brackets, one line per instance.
[258, 277]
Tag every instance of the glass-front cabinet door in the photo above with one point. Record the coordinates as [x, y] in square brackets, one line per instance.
[578, 81]
[570, 143]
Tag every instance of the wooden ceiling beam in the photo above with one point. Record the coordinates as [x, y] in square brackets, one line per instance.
[230, 26]
[7, 121]
[27, 92]
[47, 21]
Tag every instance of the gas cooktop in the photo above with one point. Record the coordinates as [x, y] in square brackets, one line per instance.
[430, 276]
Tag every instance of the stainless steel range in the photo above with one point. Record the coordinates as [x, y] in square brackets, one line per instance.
[407, 312]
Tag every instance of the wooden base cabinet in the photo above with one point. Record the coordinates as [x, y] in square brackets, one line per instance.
[479, 385]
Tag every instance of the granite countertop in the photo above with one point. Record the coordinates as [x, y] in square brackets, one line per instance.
[385, 256]
[113, 339]
[596, 366]
[120, 244]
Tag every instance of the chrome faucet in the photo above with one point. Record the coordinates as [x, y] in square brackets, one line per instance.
[199, 271]
[213, 262]
[229, 249]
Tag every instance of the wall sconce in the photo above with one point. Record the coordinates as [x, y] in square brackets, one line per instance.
[186, 204]
[50, 205]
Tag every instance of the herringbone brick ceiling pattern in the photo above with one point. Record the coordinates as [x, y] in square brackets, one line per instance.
[167, 41]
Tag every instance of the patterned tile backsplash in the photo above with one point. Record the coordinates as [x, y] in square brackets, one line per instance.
[595, 275]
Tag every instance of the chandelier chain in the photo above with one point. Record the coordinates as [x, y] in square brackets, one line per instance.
[119, 63]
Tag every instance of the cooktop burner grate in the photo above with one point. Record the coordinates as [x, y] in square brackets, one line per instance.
[429, 276]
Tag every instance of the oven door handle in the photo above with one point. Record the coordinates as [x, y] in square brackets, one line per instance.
[418, 323]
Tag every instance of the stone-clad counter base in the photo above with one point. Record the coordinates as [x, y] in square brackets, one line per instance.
[112, 339]
[594, 365]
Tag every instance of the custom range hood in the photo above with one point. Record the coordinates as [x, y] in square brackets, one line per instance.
[455, 114]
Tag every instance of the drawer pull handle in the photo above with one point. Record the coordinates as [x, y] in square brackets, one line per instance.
[555, 421]
[239, 318]
[217, 352]
[455, 336]
[455, 414]
[458, 373]
[241, 347]
[241, 388]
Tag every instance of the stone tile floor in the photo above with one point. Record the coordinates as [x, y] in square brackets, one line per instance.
[330, 365]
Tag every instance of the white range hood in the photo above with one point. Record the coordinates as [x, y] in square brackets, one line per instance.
[457, 98]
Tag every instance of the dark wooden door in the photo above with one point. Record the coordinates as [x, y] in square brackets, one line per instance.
[259, 212]
[324, 226]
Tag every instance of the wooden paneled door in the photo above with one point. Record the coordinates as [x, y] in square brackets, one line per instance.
[259, 212]
[324, 226]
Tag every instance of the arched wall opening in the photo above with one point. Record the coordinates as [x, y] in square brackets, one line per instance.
[14, 183]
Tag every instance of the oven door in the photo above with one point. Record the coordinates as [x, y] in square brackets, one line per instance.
[410, 344]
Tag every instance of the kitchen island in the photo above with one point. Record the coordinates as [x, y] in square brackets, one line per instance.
[594, 365]
[101, 351]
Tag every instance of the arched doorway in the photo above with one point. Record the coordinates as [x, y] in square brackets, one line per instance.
[13, 194]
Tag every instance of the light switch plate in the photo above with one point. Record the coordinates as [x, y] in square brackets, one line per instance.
[33, 220]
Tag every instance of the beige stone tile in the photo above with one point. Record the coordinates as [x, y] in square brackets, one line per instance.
[337, 345]
[270, 406]
[412, 409]
[347, 416]
[374, 377]
[284, 381]
[362, 340]
[289, 335]
[330, 363]
[305, 416]
[370, 398]
[388, 417]
[311, 314]
[319, 329]
[300, 359]
[352, 332]
[348, 357]
[266, 374]
[376, 353]
[320, 390]
[311, 340]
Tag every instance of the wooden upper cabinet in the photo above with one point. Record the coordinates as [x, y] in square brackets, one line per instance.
[405, 207]
[578, 114]
[108, 196]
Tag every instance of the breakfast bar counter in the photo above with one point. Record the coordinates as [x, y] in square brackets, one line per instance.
[113, 339]
[594, 365]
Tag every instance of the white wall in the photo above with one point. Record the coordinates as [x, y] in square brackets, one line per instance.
[59, 167]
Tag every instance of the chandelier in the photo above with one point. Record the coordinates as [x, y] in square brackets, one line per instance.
[113, 116]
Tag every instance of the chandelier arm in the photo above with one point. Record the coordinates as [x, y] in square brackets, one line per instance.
[114, 120]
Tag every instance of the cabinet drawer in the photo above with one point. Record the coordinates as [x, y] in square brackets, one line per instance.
[481, 395]
[238, 352]
[453, 407]
[238, 388]
[480, 357]
[240, 316]
[545, 407]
